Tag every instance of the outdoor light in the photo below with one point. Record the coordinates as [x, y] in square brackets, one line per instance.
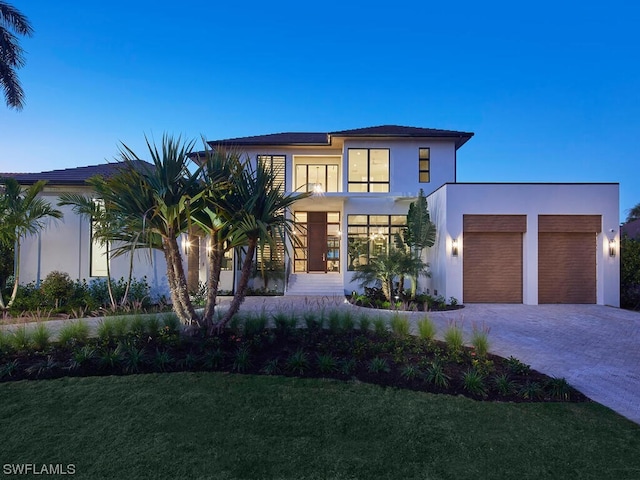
[612, 248]
[454, 247]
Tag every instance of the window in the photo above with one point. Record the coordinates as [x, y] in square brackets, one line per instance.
[424, 165]
[277, 164]
[368, 169]
[371, 235]
[99, 251]
[316, 178]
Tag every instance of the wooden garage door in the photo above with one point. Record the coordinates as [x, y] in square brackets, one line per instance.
[492, 261]
[567, 246]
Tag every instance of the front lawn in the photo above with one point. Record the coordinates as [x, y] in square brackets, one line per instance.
[220, 425]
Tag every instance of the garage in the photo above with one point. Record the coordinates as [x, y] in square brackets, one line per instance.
[492, 262]
[567, 246]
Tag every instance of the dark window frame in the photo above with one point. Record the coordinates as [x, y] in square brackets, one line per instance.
[369, 231]
[269, 158]
[421, 170]
[369, 182]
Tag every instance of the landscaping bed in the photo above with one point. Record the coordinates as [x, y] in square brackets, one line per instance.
[336, 345]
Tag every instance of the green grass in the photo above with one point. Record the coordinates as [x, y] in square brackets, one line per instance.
[209, 425]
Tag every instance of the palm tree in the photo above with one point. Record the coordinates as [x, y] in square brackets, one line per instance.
[12, 23]
[22, 213]
[634, 213]
[388, 266]
[260, 216]
[160, 198]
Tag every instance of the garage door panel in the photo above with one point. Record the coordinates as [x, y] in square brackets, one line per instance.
[566, 267]
[492, 267]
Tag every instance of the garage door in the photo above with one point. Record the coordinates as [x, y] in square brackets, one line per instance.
[567, 246]
[492, 258]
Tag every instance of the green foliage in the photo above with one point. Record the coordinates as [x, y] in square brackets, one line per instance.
[436, 375]
[410, 372]
[327, 363]
[380, 326]
[454, 338]
[298, 362]
[516, 367]
[480, 341]
[531, 391]
[473, 382]
[242, 359]
[559, 389]
[504, 385]
[41, 336]
[57, 288]
[255, 324]
[347, 366]
[364, 322]
[400, 325]
[285, 324]
[163, 361]
[271, 367]
[379, 365]
[81, 357]
[22, 339]
[630, 273]
[73, 332]
[334, 321]
[426, 328]
[347, 321]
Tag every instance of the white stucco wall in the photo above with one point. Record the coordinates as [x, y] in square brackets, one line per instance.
[65, 246]
[530, 200]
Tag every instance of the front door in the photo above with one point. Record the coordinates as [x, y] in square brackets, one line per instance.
[317, 241]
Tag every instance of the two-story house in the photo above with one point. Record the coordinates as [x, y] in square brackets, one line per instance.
[519, 243]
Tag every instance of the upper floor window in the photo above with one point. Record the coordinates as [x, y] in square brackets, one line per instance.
[316, 178]
[424, 165]
[277, 164]
[368, 169]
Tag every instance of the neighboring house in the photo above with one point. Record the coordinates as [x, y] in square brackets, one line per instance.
[520, 243]
[67, 245]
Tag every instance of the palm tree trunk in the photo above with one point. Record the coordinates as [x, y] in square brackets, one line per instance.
[241, 291]
[14, 292]
[129, 277]
[214, 265]
[114, 305]
[177, 283]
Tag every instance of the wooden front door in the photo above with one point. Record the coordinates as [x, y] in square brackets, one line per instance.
[317, 241]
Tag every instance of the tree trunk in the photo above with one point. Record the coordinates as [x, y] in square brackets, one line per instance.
[114, 305]
[129, 277]
[214, 266]
[177, 283]
[241, 291]
[387, 288]
[14, 292]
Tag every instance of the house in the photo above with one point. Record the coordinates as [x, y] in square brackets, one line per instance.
[68, 245]
[517, 243]
[497, 243]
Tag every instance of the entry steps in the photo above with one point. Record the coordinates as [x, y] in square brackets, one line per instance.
[315, 284]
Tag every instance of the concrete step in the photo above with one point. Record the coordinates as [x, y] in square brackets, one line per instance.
[311, 284]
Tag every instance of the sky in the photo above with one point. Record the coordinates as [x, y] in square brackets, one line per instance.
[551, 89]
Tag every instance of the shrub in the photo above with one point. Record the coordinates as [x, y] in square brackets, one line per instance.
[504, 385]
[454, 338]
[163, 361]
[426, 328]
[379, 365]
[516, 367]
[380, 326]
[400, 325]
[22, 339]
[298, 362]
[559, 389]
[435, 375]
[347, 366]
[170, 322]
[410, 372]
[480, 341]
[334, 321]
[255, 324]
[347, 322]
[272, 367]
[285, 324]
[531, 391]
[74, 332]
[327, 363]
[82, 356]
[364, 323]
[242, 359]
[41, 336]
[473, 382]
[57, 288]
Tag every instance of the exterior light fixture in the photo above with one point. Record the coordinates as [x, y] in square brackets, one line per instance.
[612, 248]
[454, 247]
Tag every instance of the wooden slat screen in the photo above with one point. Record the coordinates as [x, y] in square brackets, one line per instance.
[494, 223]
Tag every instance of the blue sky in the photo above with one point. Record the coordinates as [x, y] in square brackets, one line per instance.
[550, 89]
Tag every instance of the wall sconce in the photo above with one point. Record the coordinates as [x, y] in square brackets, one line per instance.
[612, 248]
[454, 247]
[186, 246]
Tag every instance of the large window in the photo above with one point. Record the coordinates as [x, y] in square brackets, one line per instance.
[368, 169]
[424, 165]
[370, 235]
[277, 164]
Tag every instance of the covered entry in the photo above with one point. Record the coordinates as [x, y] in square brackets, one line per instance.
[567, 246]
[492, 258]
[318, 242]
